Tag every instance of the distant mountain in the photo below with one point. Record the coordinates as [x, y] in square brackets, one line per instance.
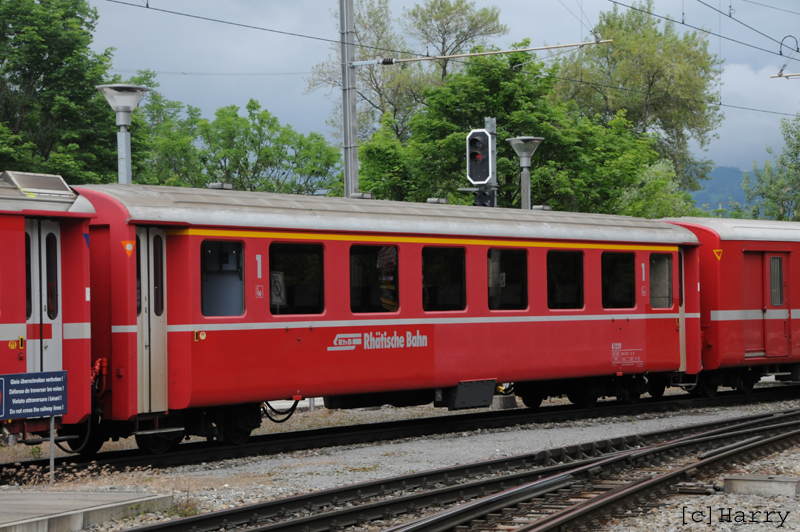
[725, 183]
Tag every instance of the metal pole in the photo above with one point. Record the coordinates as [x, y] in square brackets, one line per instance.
[526, 188]
[349, 121]
[490, 125]
[124, 156]
[52, 450]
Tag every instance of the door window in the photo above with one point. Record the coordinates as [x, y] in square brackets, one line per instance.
[776, 280]
[158, 275]
[51, 247]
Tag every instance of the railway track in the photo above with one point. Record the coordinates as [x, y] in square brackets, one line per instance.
[539, 491]
[198, 452]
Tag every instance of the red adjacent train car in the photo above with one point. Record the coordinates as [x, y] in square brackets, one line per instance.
[746, 301]
[208, 302]
[44, 290]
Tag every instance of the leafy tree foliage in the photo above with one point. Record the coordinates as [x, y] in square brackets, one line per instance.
[773, 191]
[452, 27]
[176, 146]
[448, 26]
[664, 80]
[584, 164]
[656, 194]
[52, 119]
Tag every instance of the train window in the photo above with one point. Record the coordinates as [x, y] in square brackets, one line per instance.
[373, 279]
[619, 280]
[444, 279]
[296, 279]
[51, 249]
[508, 279]
[564, 279]
[222, 278]
[660, 280]
[776, 280]
[28, 273]
[158, 275]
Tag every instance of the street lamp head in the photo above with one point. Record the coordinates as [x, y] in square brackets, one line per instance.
[525, 146]
[123, 98]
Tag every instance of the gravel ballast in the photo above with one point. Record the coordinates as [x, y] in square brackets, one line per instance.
[230, 483]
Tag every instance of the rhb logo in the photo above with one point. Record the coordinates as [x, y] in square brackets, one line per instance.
[345, 342]
[378, 340]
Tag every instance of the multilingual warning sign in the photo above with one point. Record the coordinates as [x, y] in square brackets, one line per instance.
[28, 395]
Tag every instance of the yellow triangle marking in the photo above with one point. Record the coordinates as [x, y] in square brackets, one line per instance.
[718, 253]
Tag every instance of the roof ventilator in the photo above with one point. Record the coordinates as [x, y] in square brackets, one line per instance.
[362, 195]
[441, 201]
[33, 185]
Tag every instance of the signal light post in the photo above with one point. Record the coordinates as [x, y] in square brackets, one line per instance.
[480, 166]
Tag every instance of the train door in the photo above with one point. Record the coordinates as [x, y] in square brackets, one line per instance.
[753, 309]
[776, 305]
[43, 295]
[152, 319]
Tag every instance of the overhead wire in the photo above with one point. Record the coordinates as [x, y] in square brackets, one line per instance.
[699, 29]
[740, 22]
[181, 73]
[292, 34]
[259, 28]
[639, 91]
[771, 7]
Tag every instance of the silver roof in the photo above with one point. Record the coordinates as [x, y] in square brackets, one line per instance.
[205, 207]
[734, 229]
[23, 191]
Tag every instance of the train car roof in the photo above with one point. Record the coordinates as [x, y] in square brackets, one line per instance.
[736, 229]
[213, 207]
[40, 193]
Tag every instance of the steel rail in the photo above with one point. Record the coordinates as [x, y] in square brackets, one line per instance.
[197, 452]
[578, 513]
[638, 491]
[586, 455]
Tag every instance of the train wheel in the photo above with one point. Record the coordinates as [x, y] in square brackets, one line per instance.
[236, 435]
[746, 386]
[583, 399]
[95, 440]
[532, 400]
[633, 397]
[158, 443]
[708, 388]
[656, 388]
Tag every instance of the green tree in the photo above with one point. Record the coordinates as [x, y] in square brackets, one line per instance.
[380, 89]
[656, 194]
[773, 191]
[664, 80]
[448, 26]
[52, 119]
[255, 152]
[582, 165]
[165, 147]
[385, 165]
[452, 27]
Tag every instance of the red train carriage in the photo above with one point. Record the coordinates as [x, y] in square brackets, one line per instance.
[44, 289]
[208, 302]
[746, 314]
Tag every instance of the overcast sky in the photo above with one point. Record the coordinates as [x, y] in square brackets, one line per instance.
[210, 65]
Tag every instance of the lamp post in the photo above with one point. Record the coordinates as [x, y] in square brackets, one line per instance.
[123, 99]
[525, 146]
